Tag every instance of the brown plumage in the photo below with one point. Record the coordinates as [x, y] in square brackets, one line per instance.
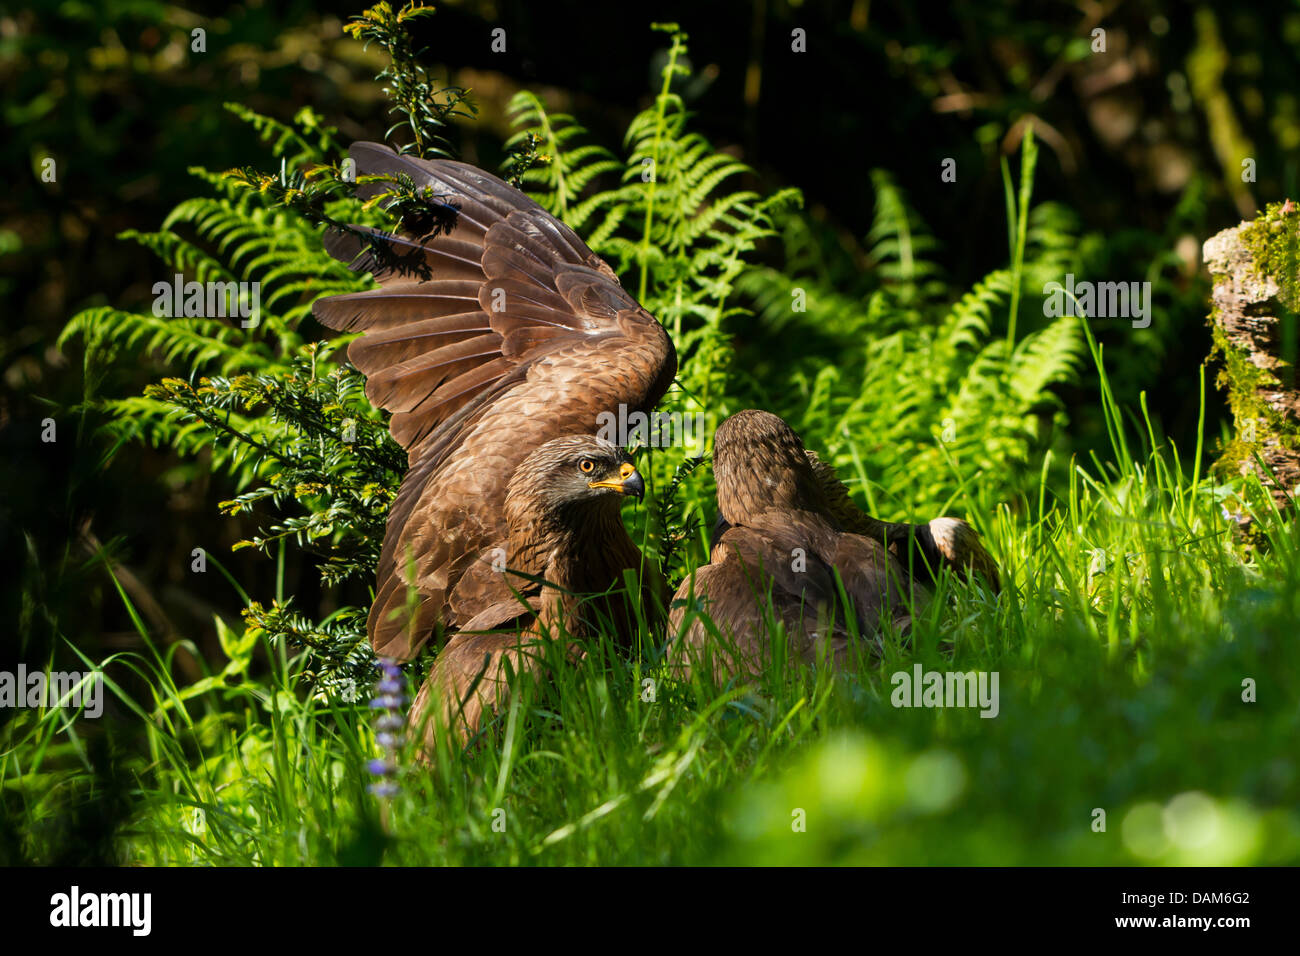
[568, 547]
[490, 336]
[923, 548]
[786, 528]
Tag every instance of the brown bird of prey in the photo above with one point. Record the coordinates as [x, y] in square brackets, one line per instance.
[496, 339]
[786, 526]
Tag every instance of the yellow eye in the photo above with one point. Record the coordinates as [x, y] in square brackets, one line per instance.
[587, 466]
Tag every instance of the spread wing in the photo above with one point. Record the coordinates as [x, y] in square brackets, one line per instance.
[494, 330]
[781, 567]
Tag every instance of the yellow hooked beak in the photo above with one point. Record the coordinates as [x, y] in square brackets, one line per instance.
[628, 481]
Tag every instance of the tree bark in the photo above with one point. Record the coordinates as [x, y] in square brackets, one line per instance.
[1254, 336]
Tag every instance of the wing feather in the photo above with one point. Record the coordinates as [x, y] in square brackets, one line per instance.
[490, 335]
[751, 571]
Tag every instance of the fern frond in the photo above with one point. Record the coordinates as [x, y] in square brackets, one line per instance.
[288, 143]
[571, 168]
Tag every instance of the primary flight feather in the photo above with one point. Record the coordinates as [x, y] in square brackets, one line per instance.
[495, 332]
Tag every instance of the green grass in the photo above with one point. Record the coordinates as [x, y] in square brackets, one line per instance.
[1121, 686]
[1133, 612]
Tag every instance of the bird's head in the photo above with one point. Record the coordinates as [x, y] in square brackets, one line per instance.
[573, 471]
[760, 464]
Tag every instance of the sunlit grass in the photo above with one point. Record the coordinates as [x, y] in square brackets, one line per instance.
[1130, 618]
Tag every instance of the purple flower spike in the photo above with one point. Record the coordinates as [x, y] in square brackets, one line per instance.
[388, 721]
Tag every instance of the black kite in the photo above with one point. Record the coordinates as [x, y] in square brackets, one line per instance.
[495, 338]
[786, 528]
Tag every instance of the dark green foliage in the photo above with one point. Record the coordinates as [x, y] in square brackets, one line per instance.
[427, 108]
[964, 400]
[1128, 613]
[314, 448]
[930, 393]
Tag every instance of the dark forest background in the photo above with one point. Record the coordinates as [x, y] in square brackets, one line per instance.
[1142, 144]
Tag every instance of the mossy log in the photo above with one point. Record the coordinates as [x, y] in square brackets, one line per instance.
[1254, 266]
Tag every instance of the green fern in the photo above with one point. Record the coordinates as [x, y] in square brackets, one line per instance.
[900, 244]
[922, 399]
[676, 223]
[570, 166]
[306, 141]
